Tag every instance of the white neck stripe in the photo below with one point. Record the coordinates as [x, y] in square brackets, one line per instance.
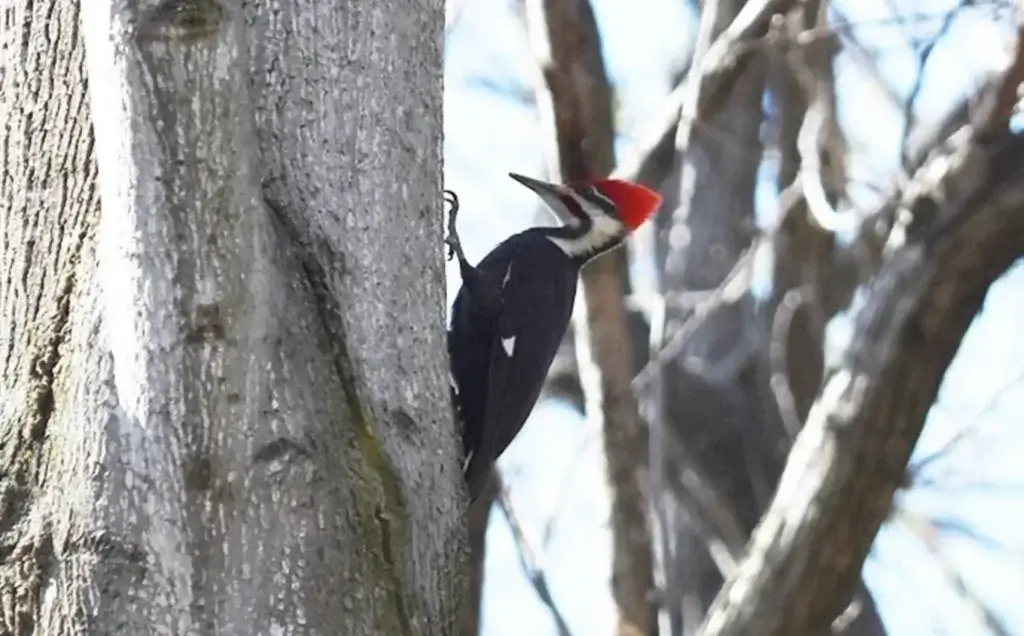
[604, 233]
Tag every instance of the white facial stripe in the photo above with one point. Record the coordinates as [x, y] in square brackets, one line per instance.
[604, 231]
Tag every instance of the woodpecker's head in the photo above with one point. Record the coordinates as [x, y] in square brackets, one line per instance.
[597, 214]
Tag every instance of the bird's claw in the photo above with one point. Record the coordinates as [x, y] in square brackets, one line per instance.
[452, 244]
[452, 199]
[452, 240]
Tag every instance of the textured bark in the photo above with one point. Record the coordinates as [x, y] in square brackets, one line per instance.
[49, 400]
[478, 516]
[576, 93]
[806, 554]
[224, 417]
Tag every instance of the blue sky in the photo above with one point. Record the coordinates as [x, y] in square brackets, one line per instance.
[969, 498]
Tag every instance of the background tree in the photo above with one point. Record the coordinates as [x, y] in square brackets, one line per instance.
[811, 191]
[225, 405]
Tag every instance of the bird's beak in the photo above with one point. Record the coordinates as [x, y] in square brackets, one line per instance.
[543, 188]
[551, 194]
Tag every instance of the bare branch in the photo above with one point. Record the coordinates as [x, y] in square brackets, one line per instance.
[531, 565]
[927, 533]
[736, 284]
[922, 63]
[778, 356]
[807, 552]
[723, 64]
[886, 224]
[720, 526]
[811, 174]
[995, 112]
[866, 59]
[714, 516]
[921, 465]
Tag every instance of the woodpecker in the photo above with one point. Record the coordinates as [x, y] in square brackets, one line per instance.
[513, 308]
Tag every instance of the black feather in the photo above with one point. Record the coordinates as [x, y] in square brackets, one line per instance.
[524, 289]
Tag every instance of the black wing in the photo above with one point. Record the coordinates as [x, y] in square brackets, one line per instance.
[475, 316]
[538, 292]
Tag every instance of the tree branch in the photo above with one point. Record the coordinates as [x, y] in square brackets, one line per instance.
[721, 67]
[926, 532]
[532, 566]
[806, 554]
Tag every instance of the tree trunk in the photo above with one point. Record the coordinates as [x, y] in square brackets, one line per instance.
[576, 108]
[709, 207]
[222, 416]
[477, 518]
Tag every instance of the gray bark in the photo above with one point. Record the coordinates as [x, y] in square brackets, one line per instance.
[223, 416]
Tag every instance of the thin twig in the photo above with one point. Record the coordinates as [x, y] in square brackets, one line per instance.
[923, 57]
[723, 64]
[994, 116]
[530, 563]
[734, 287]
[778, 359]
[921, 464]
[926, 532]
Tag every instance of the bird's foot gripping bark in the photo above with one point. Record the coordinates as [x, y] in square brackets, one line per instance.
[452, 240]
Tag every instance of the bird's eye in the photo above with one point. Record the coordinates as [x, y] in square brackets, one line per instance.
[572, 205]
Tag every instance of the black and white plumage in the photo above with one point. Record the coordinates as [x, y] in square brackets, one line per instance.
[514, 307]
